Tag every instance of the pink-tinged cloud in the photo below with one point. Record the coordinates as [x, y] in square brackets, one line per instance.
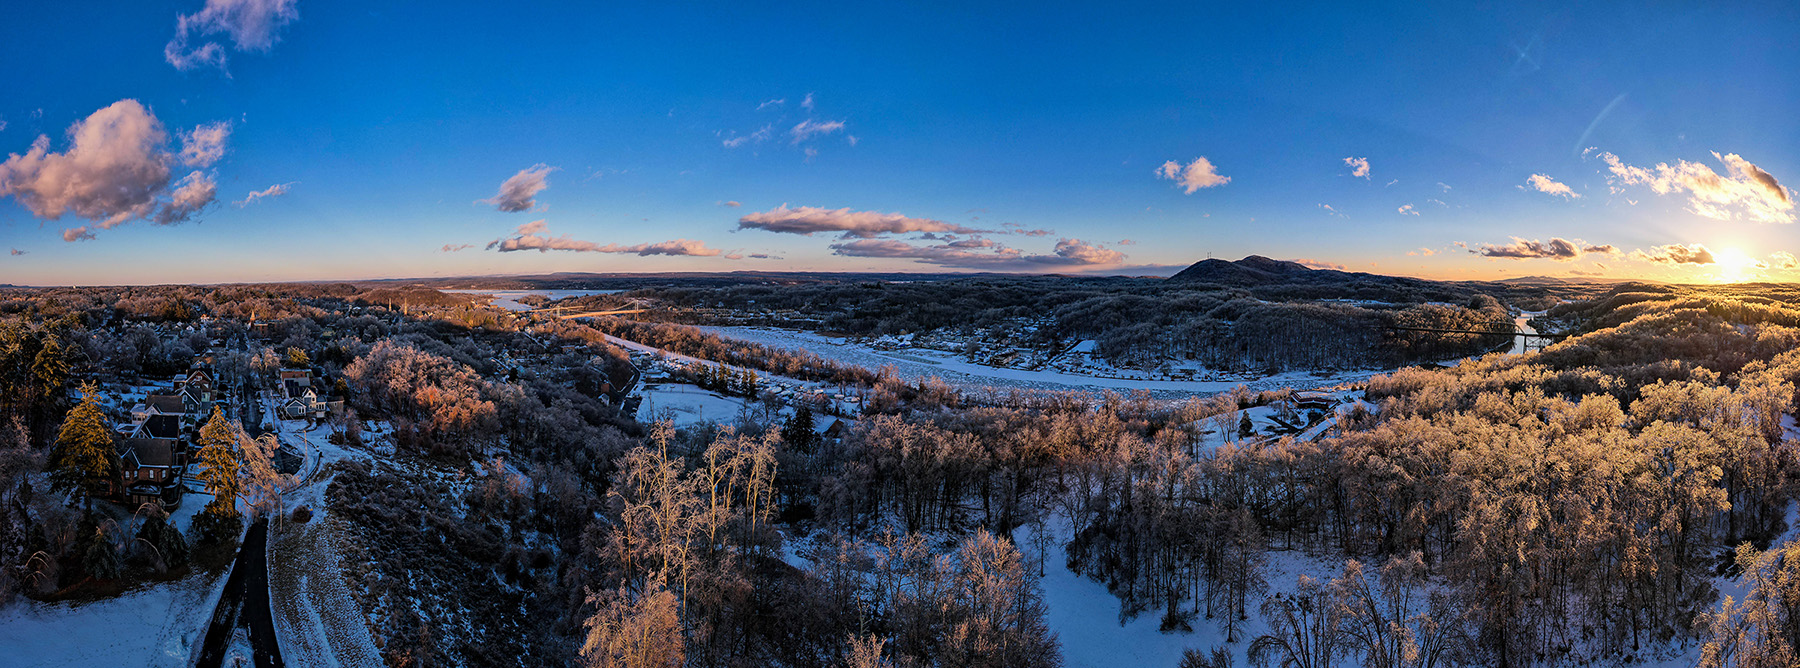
[1547, 185]
[1358, 166]
[1675, 254]
[1557, 248]
[1196, 175]
[519, 191]
[195, 192]
[112, 172]
[452, 248]
[1745, 191]
[252, 25]
[535, 236]
[1320, 264]
[982, 254]
[16, 252]
[116, 169]
[853, 224]
[205, 144]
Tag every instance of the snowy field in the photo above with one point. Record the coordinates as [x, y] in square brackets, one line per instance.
[155, 625]
[688, 405]
[316, 616]
[918, 364]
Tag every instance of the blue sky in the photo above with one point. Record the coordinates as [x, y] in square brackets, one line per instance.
[972, 122]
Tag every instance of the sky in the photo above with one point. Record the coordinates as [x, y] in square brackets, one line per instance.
[201, 141]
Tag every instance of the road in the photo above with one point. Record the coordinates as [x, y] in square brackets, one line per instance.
[245, 604]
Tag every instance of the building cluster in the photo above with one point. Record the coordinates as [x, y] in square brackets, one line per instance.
[156, 441]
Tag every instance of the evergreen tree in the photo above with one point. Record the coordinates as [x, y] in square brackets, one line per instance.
[220, 461]
[1246, 429]
[84, 461]
[161, 542]
[50, 367]
[798, 433]
[99, 558]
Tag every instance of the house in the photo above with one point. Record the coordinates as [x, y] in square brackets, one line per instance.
[165, 404]
[303, 402]
[152, 471]
[198, 386]
[1311, 400]
[160, 427]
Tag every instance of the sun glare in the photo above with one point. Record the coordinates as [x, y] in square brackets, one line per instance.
[1735, 266]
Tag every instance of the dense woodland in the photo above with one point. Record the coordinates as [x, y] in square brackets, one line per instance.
[1572, 506]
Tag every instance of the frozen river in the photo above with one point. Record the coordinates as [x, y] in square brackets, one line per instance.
[509, 299]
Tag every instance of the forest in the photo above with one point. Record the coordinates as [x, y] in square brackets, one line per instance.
[1586, 504]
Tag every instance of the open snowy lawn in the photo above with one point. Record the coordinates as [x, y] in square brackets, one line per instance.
[688, 405]
[157, 625]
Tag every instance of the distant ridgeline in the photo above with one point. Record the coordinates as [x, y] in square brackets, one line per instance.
[1254, 314]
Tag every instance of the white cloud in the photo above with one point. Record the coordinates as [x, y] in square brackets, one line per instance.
[1358, 166]
[807, 103]
[771, 103]
[809, 128]
[1746, 191]
[517, 193]
[276, 190]
[1408, 210]
[858, 224]
[205, 144]
[252, 25]
[1545, 184]
[1196, 175]
[1783, 260]
[535, 235]
[757, 137]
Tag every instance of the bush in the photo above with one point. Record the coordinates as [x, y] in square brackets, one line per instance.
[216, 537]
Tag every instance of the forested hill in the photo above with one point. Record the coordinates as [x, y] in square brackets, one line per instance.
[1256, 270]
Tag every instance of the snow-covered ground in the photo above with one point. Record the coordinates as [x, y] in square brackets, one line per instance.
[688, 405]
[155, 625]
[921, 363]
[316, 616]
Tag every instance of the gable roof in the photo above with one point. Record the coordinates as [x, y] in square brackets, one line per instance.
[167, 404]
[161, 426]
[148, 451]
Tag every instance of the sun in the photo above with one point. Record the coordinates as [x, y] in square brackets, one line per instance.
[1735, 266]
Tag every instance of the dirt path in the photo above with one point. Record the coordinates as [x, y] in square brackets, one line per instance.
[245, 604]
